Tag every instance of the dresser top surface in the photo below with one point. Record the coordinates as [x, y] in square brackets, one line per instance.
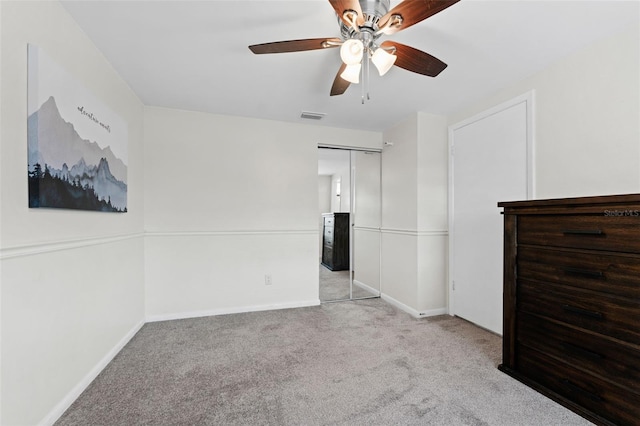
[576, 202]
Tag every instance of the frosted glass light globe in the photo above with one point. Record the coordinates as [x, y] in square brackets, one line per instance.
[383, 60]
[351, 73]
[351, 51]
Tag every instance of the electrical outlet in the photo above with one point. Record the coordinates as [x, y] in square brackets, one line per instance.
[267, 279]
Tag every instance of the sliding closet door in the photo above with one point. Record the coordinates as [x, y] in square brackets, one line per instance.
[334, 217]
[349, 209]
[366, 224]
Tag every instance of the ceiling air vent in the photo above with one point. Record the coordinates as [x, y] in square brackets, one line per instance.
[312, 115]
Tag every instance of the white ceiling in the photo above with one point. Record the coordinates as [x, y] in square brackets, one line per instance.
[193, 55]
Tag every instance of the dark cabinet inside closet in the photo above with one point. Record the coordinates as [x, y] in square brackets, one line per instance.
[335, 241]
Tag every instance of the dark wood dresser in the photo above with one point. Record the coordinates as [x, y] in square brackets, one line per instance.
[335, 241]
[572, 303]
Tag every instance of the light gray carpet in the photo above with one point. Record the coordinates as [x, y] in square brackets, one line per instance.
[350, 363]
[334, 285]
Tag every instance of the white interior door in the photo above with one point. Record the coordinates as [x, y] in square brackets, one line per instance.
[489, 162]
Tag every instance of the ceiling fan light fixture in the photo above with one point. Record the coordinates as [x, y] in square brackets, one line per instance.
[362, 23]
[351, 73]
[351, 51]
[383, 60]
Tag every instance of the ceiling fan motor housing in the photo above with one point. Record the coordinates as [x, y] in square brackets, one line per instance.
[372, 11]
[376, 8]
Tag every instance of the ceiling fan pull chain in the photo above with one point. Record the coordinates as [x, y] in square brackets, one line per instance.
[365, 75]
[367, 65]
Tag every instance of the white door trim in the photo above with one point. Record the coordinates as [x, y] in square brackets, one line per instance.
[528, 99]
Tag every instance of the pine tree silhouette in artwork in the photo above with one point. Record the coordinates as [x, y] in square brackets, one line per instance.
[48, 190]
[34, 185]
[37, 171]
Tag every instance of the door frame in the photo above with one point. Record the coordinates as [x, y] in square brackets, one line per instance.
[528, 99]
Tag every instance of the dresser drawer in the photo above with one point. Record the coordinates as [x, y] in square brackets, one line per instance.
[607, 273]
[328, 236]
[608, 358]
[603, 398]
[328, 221]
[614, 316]
[598, 232]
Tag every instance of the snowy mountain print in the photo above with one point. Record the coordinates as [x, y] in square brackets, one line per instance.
[67, 171]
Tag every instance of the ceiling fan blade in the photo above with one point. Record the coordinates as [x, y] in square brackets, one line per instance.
[340, 85]
[412, 12]
[415, 60]
[340, 6]
[295, 45]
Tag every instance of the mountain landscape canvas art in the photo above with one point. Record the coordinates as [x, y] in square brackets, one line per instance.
[77, 147]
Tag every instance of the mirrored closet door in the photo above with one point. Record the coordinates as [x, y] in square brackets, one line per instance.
[349, 220]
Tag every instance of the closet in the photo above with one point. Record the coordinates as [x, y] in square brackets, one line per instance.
[349, 224]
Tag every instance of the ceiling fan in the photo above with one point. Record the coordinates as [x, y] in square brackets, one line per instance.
[362, 23]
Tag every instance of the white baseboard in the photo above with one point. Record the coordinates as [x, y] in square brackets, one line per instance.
[234, 310]
[413, 312]
[366, 287]
[433, 312]
[69, 399]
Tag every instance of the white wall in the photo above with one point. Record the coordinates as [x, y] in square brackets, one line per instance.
[324, 204]
[587, 119]
[336, 198]
[342, 202]
[432, 177]
[432, 213]
[71, 281]
[324, 194]
[400, 176]
[414, 213]
[212, 241]
[399, 214]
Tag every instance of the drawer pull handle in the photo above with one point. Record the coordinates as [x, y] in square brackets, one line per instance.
[584, 312]
[578, 271]
[575, 388]
[581, 351]
[582, 232]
